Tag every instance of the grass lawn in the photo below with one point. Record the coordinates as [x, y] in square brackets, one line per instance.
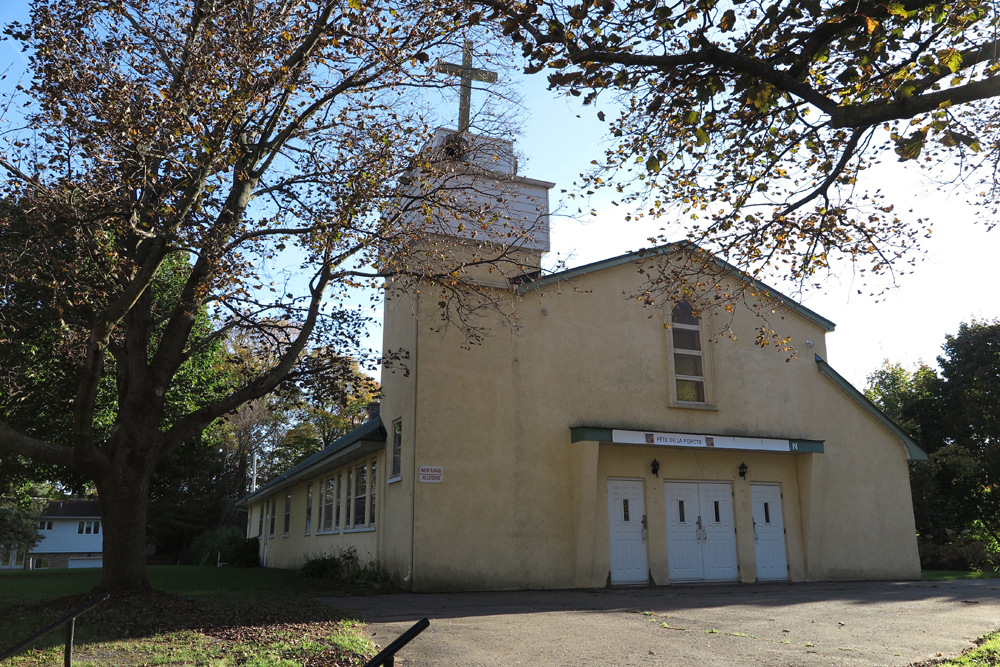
[218, 617]
[949, 575]
[986, 653]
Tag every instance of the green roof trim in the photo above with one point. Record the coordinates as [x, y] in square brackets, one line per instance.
[365, 439]
[808, 446]
[913, 450]
[631, 257]
[580, 433]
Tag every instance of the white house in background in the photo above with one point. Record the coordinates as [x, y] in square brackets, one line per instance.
[71, 537]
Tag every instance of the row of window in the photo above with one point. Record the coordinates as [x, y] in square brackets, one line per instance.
[83, 528]
[345, 499]
[88, 528]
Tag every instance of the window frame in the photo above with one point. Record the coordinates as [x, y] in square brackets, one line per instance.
[309, 508]
[704, 354]
[347, 499]
[288, 513]
[360, 495]
[397, 450]
[372, 479]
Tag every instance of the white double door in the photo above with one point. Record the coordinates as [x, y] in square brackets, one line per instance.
[627, 524]
[768, 532]
[701, 533]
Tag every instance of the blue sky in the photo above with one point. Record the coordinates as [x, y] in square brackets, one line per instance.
[953, 283]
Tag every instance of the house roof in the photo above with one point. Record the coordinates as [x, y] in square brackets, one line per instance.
[913, 450]
[76, 509]
[365, 439]
[632, 257]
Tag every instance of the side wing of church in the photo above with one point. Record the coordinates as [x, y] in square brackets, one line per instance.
[601, 446]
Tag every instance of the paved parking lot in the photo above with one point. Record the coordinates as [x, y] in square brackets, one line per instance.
[853, 623]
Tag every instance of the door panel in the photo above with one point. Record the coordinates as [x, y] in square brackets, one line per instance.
[769, 532]
[720, 539]
[626, 513]
[684, 559]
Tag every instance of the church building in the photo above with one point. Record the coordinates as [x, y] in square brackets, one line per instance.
[600, 446]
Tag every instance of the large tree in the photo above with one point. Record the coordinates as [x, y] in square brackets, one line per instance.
[954, 417]
[255, 147]
[751, 121]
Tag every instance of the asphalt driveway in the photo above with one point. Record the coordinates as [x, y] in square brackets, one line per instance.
[852, 623]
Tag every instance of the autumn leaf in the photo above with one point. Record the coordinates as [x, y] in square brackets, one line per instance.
[728, 21]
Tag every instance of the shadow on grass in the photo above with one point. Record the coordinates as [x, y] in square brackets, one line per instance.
[234, 605]
[953, 575]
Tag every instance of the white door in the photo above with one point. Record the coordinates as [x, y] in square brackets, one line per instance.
[684, 559]
[701, 533]
[768, 532]
[627, 525]
[719, 541]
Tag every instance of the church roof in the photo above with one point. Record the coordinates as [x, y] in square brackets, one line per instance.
[913, 450]
[365, 439]
[632, 257]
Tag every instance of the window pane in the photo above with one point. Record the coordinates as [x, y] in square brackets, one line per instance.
[288, 513]
[309, 507]
[328, 514]
[683, 314]
[360, 486]
[687, 364]
[347, 500]
[336, 514]
[691, 391]
[97, 527]
[371, 485]
[360, 492]
[79, 528]
[397, 446]
[686, 339]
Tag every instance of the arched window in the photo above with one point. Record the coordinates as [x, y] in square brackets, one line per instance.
[689, 367]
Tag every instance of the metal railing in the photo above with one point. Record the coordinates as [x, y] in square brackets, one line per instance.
[387, 656]
[70, 621]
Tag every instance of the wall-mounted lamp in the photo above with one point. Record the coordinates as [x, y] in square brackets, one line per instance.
[743, 470]
[655, 466]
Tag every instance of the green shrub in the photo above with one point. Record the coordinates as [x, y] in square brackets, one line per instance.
[965, 553]
[247, 554]
[320, 567]
[345, 568]
[229, 543]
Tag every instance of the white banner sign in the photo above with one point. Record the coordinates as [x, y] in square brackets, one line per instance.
[708, 441]
[431, 474]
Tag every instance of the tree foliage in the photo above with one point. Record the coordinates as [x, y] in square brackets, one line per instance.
[19, 515]
[953, 416]
[752, 120]
[252, 147]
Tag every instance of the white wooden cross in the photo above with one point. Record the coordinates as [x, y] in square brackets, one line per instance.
[468, 74]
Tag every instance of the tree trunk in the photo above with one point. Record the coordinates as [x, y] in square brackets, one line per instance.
[124, 503]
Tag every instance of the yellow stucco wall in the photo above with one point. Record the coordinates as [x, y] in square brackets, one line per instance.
[290, 550]
[521, 506]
